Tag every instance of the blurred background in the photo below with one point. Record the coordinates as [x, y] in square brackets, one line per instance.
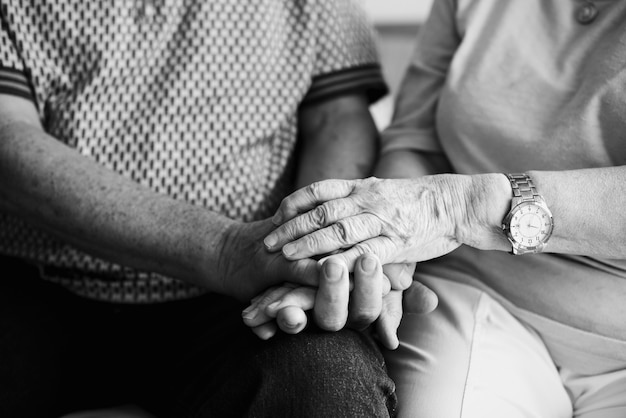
[397, 23]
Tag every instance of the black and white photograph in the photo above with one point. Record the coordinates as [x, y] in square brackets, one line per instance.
[312, 209]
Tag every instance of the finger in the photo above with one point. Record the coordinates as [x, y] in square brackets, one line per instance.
[291, 319]
[367, 297]
[319, 217]
[310, 196]
[250, 311]
[389, 320]
[419, 299]
[386, 285]
[382, 246]
[256, 314]
[400, 275]
[302, 297]
[302, 272]
[256, 299]
[331, 301]
[266, 331]
[342, 234]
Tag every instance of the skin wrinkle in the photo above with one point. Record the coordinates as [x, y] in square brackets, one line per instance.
[340, 231]
[312, 242]
[334, 210]
[453, 202]
[403, 230]
[319, 216]
[476, 225]
[412, 218]
[314, 189]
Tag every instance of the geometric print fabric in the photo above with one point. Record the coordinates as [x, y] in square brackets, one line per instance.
[195, 100]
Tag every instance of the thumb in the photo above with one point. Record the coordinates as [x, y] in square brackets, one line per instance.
[419, 299]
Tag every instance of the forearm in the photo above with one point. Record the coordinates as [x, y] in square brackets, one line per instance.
[410, 164]
[103, 213]
[587, 206]
[338, 139]
[588, 209]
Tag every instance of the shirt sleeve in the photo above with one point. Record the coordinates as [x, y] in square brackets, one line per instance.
[346, 56]
[13, 79]
[413, 125]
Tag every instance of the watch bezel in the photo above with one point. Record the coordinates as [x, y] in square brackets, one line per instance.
[518, 246]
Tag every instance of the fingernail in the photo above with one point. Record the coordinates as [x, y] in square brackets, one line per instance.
[249, 312]
[289, 250]
[278, 218]
[269, 241]
[290, 324]
[368, 264]
[333, 270]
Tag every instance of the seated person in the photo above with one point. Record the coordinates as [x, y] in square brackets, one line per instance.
[143, 147]
[506, 183]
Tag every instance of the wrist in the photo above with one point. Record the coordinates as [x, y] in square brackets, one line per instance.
[207, 241]
[486, 200]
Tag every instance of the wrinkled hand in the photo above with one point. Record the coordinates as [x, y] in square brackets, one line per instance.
[400, 220]
[372, 299]
[246, 268]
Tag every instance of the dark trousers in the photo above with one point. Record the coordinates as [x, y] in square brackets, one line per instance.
[61, 353]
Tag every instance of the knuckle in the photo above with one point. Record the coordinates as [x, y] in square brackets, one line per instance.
[288, 230]
[363, 248]
[312, 243]
[341, 231]
[319, 216]
[288, 205]
[336, 208]
[294, 226]
[315, 189]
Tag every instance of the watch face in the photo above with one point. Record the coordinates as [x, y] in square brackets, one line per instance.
[531, 224]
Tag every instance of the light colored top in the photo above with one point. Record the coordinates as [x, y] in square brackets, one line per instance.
[512, 86]
[196, 100]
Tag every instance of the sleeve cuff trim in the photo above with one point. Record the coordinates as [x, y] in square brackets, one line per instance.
[14, 82]
[366, 78]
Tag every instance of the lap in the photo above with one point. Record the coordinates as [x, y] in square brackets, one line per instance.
[175, 359]
[471, 358]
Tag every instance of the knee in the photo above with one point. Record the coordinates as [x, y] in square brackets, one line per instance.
[328, 355]
[341, 371]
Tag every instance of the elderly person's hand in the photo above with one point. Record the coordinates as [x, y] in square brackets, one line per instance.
[376, 297]
[245, 268]
[399, 220]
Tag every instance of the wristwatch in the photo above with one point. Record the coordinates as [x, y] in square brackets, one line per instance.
[529, 223]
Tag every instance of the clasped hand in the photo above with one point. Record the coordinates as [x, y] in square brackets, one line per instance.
[398, 221]
[407, 220]
[374, 295]
[286, 289]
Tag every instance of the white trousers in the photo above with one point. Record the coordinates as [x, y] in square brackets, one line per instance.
[475, 357]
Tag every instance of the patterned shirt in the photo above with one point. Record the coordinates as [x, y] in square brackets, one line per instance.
[194, 99]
